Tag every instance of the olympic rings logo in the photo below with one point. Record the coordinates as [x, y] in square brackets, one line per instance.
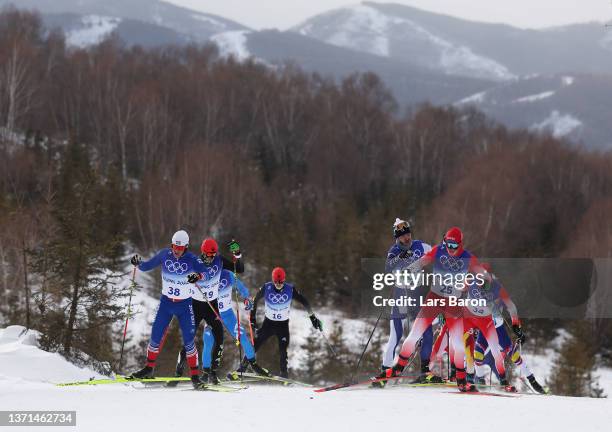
[212, 270]
[278, 298]
[176, 267]
[451, 263]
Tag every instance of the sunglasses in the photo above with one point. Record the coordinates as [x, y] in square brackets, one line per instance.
[451, 244]
[178, 248]
[402, 226]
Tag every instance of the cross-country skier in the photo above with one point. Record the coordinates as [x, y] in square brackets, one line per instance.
[449, 260]
[277, 296]
[498, 295]
[227, 283]
[176, 263]
[204, 298]
[404, 251]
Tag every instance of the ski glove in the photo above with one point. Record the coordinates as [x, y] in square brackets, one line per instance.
[136, 260]
[406, 254]
[248, 304]
[518, 331]
[193, 277]
[316, 322]
[234, 248]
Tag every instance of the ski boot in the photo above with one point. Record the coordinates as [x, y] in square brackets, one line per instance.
[462, 384]
[284, 374]
[212, 377]
[536, 385]
[425, 376]
[470, 378]
[205, 378]
[233, 375]
[382, 374]
[508, 388]
[144, 373]
[258, 369]
[453, 374]
[197, 382]
[480, 381]
[433, 379]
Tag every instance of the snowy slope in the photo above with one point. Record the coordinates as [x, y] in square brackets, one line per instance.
[232, 43]
[261, 408]
[92, 30]
[22, 363]
[366, 28]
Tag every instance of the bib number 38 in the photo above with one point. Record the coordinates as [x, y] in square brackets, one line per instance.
[176, 292]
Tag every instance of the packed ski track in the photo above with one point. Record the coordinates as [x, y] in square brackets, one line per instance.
[28, 376]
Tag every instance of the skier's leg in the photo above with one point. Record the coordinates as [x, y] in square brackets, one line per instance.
[396, 326]
[264, 332]
[282, 333]
[158, 331]
[480, 347]
[216, 328]
[197, 315]
[454, 319]
[487, 327]
[426, 345]
[209, 341]
[440, 346]
[186, 321]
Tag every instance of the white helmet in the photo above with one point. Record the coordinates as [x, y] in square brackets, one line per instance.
[180, 238]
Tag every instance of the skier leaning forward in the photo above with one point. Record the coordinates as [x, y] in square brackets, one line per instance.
[405, 251]
[176, 263]
[449, 259]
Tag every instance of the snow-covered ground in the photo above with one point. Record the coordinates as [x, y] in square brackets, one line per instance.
[558, 124]
[93, 30]
[26, 374]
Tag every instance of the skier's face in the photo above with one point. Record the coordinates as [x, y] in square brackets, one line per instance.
[279, 285]
[178, 251]
[405, 239]
[452, 247]
[208, 258]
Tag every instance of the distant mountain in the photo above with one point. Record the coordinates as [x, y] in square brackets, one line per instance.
[460, 47]
[557, 80]
[189, 24]
[575, 107]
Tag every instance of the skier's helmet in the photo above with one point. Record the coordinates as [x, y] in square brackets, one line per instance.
[453, 241]
[278, 276]
[180, 241]
[209, 249]
[400, 227]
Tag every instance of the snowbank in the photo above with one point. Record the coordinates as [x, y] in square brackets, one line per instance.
[23, 362]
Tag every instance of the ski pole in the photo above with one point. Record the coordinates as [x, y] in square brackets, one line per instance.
[215, 312]
[367, 343]
[127, 318]
[331, 348]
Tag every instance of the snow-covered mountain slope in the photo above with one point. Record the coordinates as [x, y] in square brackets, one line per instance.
[456, 46]
[23, 363]
[574, 106]
[92, 30]
[193, 25]
[366, 28]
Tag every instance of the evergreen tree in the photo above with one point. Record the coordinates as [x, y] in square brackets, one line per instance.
[79, 263]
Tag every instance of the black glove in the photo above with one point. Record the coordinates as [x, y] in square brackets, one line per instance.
[136, 260]
[316, 322]
[518, 331]
[193, 277]
[406, 254]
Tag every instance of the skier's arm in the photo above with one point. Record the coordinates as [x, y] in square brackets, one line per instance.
[153, 262]
[242, 290]
[476, 268]
[258, 297]
[424, 261]
[316, 322]
[510, 306]
[299, 297]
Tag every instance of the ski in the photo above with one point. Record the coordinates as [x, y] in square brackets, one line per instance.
[360, 383]
[121, 380]
[479, 393]
[281, 380]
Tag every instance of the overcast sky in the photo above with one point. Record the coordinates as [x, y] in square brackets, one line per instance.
[282, 14]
